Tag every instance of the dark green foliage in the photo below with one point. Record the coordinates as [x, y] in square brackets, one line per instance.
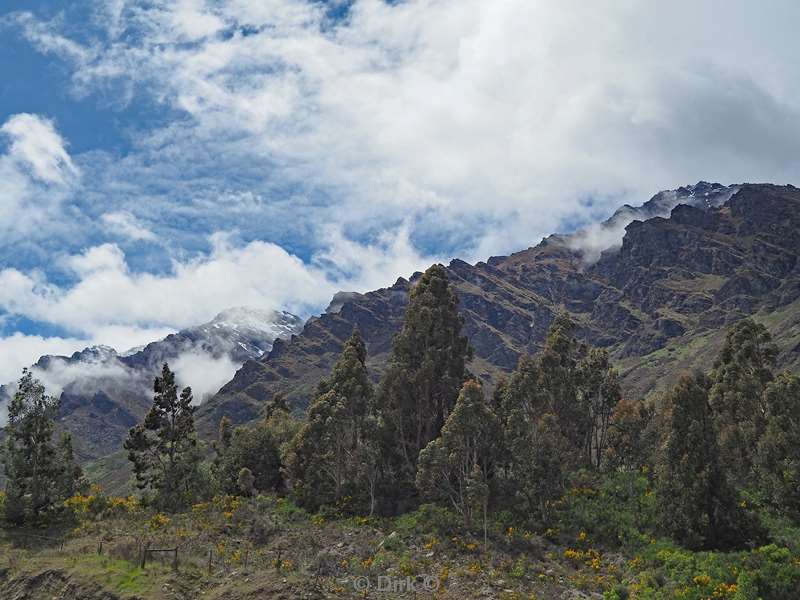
[778, 458]
[740, 375]
[698, 506]
[246, 482]
[456, 466]
[70, 479]
[164, 449]
[252, 448]
[599, 394]
[39, 474]
[557, 411]
[333, 458]
[425, 373]
[632, 436]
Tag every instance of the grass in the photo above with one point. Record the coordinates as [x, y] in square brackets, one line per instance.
[601, 538]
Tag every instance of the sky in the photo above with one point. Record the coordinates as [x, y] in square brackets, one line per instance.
[162, 160]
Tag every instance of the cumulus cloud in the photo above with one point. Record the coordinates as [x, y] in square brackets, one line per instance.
[492, 122]
[113, 305]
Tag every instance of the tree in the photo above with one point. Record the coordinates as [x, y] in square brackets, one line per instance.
[70, 476]
[456, 467]
[39, 475]
[698, 506]
[425, 373]
[600, 393]
[245, 482]
[326, 461]
[778, 457]
[741, 373]
[559, 379]
[632, 436]
[164, 449]
[248, 447]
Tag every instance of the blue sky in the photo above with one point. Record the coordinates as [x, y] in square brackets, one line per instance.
[162, 160]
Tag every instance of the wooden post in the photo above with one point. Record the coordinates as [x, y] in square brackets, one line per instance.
[175, 560]
[144, 554]
[246, 555]
[100, 547]
[210, 552]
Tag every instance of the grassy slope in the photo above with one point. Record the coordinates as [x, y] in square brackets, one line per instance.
[698, 351]
[601, 543]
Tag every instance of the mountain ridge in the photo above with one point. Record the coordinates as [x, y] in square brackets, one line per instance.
[670, 283]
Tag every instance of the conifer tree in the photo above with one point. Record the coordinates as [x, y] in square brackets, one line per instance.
[164, 449]
[425, 373]
[698, 506]
[326, 461]
[740, 375]
[39, 475]
[456, 467]
[778, 457]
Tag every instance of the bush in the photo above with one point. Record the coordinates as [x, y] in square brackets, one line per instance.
[430, 518]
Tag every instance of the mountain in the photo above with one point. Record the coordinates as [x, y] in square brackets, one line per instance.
[104, 393]
[689, 263]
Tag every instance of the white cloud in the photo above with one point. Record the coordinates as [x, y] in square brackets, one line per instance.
[204, 373]
[128, 226]
[109, 304]
[483, 125]
[19, 350]
[36, 144]
[36, 173]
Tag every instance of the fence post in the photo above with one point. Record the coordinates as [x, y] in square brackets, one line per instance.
[175, 560]
[246, 556]
[100, 547]
[210, 552]
[144, 554]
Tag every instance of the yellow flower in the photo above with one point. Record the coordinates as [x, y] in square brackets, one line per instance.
[158, 521]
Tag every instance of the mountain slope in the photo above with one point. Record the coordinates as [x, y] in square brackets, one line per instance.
[658, 302]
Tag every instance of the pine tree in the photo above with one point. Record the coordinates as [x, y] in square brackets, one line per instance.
[39, 475]
[425, 373]
[698, 506]
[740, 375]
[164, 449]
[327, 457]
[778, 457]
[456, 467]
